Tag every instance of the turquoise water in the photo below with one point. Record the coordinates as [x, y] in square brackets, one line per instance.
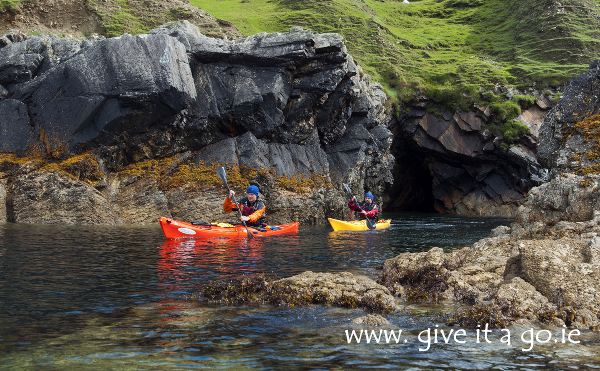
[89, 298]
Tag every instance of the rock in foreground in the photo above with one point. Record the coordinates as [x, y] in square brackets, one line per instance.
[339, 289]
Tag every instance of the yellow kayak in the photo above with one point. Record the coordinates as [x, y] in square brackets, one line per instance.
[356, 225]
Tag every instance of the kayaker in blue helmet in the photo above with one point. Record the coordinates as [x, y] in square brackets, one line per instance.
[367, 208]
[253, 209]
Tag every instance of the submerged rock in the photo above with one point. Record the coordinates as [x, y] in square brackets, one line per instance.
[340, 289]
[371, 320]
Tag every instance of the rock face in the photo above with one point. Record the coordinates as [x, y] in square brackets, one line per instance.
[448, 162]
[569, 136]
[290, 111]
[51, 198]
[338, 284]
[545, 266]
[2, 203]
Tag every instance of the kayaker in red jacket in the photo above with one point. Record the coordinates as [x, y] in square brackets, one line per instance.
[253, 209]
[367, 208]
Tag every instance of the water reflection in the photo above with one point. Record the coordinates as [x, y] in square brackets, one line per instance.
[112, 296]
[371, 239]
[184, 260]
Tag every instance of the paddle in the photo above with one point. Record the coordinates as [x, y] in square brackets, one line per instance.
[223, 175]
[370, 223]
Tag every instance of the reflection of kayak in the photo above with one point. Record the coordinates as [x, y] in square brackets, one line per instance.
[356, 225]
[176, 229]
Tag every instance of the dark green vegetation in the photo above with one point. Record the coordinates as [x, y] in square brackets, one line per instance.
[451, 50]
[9, 5]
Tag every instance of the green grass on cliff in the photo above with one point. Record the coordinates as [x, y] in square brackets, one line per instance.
[448, 49]
[9, 5]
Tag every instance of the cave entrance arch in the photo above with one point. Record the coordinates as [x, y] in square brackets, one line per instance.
[412, 187]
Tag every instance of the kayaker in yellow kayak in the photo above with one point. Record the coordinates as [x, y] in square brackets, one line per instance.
[253, 209]
[367, 208]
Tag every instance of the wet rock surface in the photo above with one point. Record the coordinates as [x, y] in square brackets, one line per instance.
[542, 269]
[338, 285]
[339, 289]
[53, 198]
[370, 320]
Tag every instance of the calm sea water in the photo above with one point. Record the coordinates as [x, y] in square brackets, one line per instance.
[98, 298]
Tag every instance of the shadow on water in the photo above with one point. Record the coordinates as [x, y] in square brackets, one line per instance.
[113, 297]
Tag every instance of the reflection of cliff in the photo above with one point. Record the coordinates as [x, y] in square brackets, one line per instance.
[183, 262]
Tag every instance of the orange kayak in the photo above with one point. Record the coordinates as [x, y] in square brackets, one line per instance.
[175, 229]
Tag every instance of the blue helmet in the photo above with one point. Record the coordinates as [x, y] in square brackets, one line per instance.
[370, 195]
[252, 189]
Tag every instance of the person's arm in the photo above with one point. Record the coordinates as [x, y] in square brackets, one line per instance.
[372, 213]
[257, 214]
[353, 206]
[228, 205]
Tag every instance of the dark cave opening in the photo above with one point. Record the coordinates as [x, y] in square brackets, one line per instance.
[412, 187]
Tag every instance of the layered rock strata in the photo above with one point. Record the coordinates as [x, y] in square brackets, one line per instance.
[449, 162]
[291, 111]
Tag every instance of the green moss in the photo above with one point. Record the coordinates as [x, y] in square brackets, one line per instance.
[124, 22]
[556, 97]
[524, 101]
[505, 111]
[9, 5]
[440, 48]
[510, 130]
[133, 16]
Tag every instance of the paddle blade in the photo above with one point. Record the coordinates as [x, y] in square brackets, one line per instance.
[222, 174]
[347, 188]
[371, 224]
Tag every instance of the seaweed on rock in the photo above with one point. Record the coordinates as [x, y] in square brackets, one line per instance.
[265, 289]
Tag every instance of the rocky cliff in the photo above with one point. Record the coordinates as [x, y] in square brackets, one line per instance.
[451, 162]
[569, 138]
[545, 267]
[127, 129]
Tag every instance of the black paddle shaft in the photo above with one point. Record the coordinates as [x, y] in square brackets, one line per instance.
[370, 223]
[223, 175]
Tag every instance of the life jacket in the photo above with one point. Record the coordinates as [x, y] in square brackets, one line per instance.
[248, 208]
[366, 207]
